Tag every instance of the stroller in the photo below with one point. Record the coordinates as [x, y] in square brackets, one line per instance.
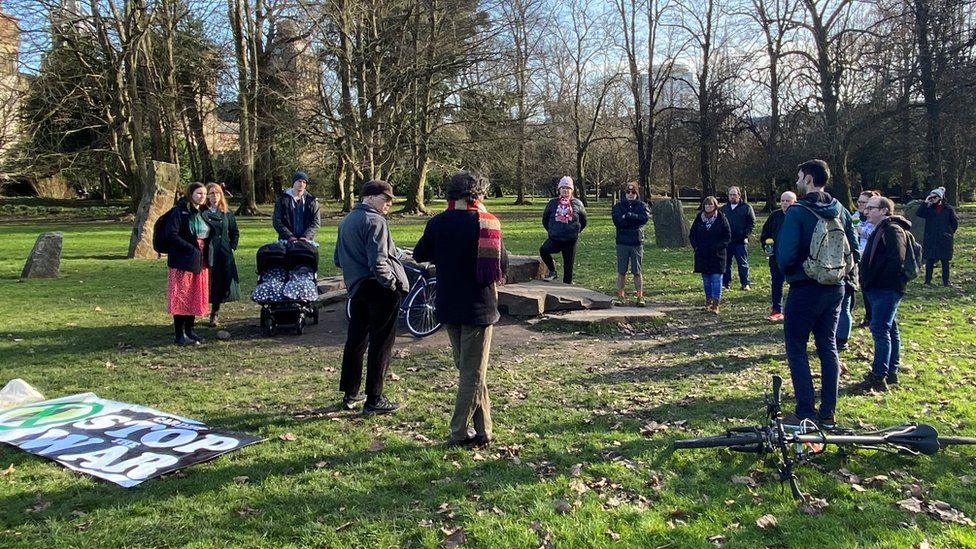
[286, 288]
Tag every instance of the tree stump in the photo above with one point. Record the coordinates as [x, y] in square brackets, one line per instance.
[671, 228]
[158, 197]
[44, 260]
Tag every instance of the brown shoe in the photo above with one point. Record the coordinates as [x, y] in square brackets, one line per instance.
[715, 304]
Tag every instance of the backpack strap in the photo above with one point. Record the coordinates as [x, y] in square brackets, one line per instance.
[809, 209]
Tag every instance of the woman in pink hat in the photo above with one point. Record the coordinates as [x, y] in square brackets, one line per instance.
[564, 220]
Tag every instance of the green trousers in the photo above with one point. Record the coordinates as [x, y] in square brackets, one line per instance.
[471, 345]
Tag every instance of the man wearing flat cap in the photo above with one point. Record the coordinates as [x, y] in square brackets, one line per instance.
[375, 282]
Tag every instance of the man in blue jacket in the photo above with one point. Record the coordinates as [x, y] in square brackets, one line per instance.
[811, 307]
[629, 217]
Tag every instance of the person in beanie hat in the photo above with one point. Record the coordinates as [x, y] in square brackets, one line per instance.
[940, 226]
[375, 282]
[629, 217]
[465, 244]
[297, 215]
[564, 219]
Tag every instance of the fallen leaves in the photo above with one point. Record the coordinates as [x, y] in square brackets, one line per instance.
[936, 509]
[813, 506]
[10, 469]
[376, 445]
[453, 536]
[766, 521]
[288, 437]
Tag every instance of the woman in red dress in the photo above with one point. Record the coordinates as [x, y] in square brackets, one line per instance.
[188, 284]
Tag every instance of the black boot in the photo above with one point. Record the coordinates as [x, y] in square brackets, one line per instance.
[179, 329]
[190, 334]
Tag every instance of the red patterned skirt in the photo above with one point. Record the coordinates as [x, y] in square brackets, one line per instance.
[188, 293]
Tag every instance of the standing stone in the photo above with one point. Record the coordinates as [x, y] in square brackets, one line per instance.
[671, 228]
[918, 224]
[44, 260]
[53, 186]
[157, 198]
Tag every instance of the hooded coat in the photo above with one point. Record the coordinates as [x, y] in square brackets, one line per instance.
[793, 244]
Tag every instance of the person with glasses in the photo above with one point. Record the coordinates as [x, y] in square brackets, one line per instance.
[629, 217]
[864, 228]
[375, 283]
[883, 280]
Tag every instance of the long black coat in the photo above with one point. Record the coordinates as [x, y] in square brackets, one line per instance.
[939, 229]
[184, 254]
[710, 244]
[223, 269]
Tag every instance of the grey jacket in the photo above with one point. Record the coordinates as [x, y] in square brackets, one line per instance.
[365, 249]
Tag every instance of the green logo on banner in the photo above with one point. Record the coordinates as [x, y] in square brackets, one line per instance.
[46, 415]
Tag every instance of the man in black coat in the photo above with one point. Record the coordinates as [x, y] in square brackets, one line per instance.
[940, 227]
[742, 220]
[883, 280]
[297, 214]
[767, 238]
[465, 245]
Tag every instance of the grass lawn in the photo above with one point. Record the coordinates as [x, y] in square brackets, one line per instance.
[576, 463]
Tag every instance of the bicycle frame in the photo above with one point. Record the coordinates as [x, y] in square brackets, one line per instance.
[910, 438]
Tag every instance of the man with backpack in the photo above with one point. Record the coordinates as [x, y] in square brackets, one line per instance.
[883, 280]
[815, 251]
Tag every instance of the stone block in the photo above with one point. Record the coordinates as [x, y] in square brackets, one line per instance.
[44, 260]
[918, 224]
[328, 284]
[157, 198]
[671, 228]
[523, 268]
[517, 300]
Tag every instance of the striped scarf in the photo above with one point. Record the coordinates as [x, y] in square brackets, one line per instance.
[489, 268]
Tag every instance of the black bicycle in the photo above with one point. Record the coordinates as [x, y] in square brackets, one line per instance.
[417, 308]
[808, 440]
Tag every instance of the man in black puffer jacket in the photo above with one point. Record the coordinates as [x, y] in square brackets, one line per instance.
[883, 282]
[767, 238]
[629, 217]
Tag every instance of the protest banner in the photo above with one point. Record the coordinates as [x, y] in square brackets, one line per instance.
[116, 441]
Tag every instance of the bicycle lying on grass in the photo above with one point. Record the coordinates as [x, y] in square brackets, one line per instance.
[809, 440]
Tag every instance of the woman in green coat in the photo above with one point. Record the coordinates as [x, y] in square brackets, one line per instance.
[223, 269]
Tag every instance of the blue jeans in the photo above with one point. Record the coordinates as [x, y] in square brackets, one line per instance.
[713, 285]
[741, 254]
[777, 285]
[884, 330]
[844, 321]
[813, 308]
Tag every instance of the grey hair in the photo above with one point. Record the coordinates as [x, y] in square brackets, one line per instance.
[467, 186]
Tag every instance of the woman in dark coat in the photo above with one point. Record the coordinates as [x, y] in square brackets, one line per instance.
[223, 241]
[710, 236]
[940, 225]
[188, 280]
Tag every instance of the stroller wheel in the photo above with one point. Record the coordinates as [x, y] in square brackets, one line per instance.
[300, 325]
[315, 316]
[267, 323]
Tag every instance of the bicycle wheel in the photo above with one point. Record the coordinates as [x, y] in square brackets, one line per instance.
[421, 314]
[728, 440]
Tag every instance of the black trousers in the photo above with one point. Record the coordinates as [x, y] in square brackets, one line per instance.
[373, 323]
[930, 266]
[568, 249]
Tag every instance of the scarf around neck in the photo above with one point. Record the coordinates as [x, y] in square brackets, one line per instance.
[489, 267]
[709, 220]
